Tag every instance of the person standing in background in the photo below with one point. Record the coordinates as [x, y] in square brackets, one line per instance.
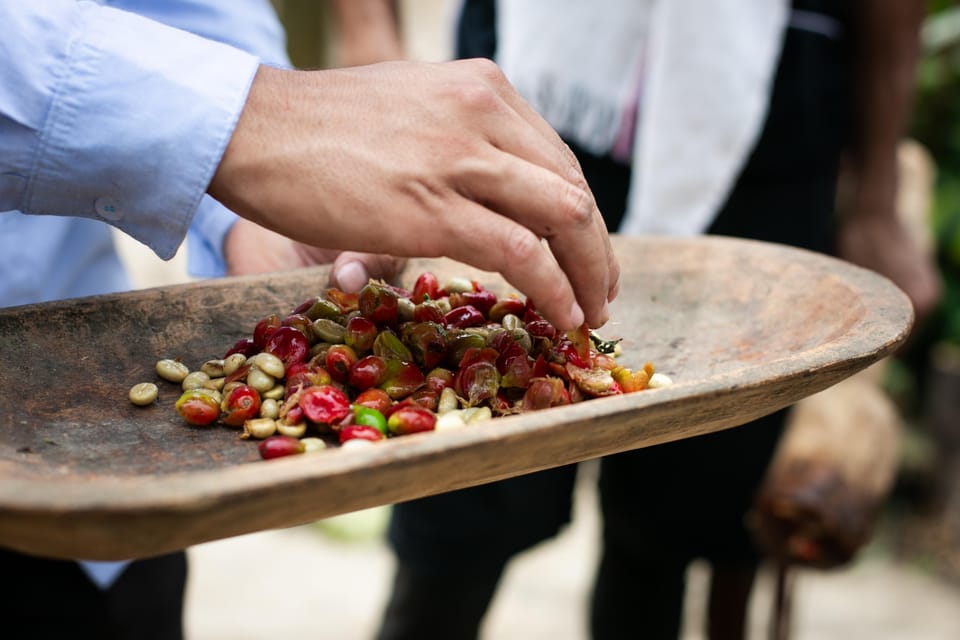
[732, 119]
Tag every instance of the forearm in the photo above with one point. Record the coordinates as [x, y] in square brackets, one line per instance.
[886, 49]
[873, 234]
[367, 31]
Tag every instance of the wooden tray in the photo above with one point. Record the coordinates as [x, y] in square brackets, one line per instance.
[743, 328]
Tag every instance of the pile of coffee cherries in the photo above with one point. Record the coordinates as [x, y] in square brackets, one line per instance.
[358, 368]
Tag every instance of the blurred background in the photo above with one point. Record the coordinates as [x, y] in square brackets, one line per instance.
[330, 579]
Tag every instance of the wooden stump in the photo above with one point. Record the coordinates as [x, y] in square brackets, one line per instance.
[830, 475]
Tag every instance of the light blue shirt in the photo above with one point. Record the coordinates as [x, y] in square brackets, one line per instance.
[112, 118]
[120, 120]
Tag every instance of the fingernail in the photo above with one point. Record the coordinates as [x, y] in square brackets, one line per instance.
[605, 313]
[576, 315]
[614, 292]
[351, 276]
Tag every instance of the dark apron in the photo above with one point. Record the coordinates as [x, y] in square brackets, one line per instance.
[688, 498]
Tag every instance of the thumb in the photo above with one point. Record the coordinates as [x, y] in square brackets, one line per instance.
[352, 270]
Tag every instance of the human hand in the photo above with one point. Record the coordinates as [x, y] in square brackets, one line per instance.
[423, 160]
[883, 244]
[249, 248]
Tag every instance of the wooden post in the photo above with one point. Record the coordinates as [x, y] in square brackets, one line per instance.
[830, 475]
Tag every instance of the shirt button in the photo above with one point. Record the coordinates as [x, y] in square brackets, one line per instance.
[108, 208]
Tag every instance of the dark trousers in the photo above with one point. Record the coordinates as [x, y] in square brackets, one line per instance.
[662, 506]
[54, 599]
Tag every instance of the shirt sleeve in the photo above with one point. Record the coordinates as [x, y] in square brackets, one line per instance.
[205, 256]
[108, 115]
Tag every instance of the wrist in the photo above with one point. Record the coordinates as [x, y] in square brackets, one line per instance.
[253, 147]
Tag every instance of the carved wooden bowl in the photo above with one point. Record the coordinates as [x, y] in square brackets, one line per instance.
[743, 328]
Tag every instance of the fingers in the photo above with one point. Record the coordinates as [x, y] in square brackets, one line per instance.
[579, 240]
[352, 270]
[484, 239]
[561, 213]
[428, 163]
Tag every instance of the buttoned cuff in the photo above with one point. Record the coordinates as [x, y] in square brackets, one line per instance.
[139, 122]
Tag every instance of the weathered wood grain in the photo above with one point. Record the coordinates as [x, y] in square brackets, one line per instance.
[743, 328]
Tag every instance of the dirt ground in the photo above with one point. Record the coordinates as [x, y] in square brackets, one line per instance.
[330, 580]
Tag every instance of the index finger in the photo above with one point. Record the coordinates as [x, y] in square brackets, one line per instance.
[582, 242]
